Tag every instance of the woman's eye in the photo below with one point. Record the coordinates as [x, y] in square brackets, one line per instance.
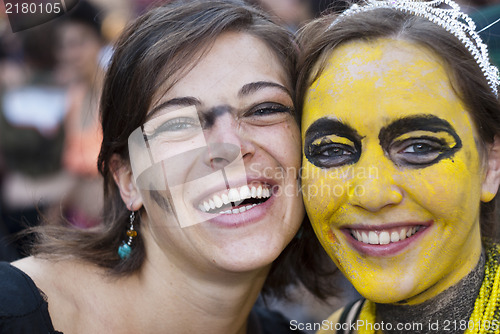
[327, 155]
[174, 129]
[270, 108]
[268, 114]
[418, 151]
[421, 148]
[178, 124]
[334, 152]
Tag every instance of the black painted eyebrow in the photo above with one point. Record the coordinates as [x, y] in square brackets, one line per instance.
[423, 122]
[327, 126]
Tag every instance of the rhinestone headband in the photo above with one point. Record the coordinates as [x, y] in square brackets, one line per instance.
[450, 17]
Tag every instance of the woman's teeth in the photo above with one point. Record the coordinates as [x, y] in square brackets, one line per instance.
[238, 210]
[384, 237]
[233, 197]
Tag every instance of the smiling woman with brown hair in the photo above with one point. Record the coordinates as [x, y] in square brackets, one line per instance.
[197, 107]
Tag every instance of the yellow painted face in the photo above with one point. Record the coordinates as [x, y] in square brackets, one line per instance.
[391, 171]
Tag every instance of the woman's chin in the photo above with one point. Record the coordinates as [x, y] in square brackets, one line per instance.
[246, 258]
[386, 290]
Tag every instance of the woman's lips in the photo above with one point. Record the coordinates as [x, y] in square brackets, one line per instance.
[241, 215]
[384, 237]
[384, 241]
[237, 206]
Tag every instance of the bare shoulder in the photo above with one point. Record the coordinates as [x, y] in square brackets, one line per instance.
[65, 284]
[56, 279]
[45, 273]
[46, 270]
[31, 266]
[63, 277]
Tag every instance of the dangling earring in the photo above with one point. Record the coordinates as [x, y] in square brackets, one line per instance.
[126, 247]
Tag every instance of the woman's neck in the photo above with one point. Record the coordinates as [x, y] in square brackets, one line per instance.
[83, 298]
[443, 313]
[170, 301]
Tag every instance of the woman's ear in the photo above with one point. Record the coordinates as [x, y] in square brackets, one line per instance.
[492, 178]
[124, 179]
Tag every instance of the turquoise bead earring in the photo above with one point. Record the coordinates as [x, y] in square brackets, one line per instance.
[126, 247]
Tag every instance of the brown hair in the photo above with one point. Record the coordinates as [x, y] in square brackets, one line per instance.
[158, 47]
[317, 41]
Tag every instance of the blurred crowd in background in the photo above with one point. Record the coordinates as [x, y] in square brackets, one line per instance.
[50, 82]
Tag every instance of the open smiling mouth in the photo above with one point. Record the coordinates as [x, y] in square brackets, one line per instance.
[384, 237]
[236, 200]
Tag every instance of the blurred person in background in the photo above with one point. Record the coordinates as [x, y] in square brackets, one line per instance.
[320, 7]
[31, 138]
[7, 67]
[289, 13]
[293, 14]
[79, 53]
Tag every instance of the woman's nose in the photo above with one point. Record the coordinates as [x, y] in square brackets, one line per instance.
[225, 140]
[375, 188]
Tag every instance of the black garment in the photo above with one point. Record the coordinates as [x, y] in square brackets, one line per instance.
[24, 309]
[264, 321]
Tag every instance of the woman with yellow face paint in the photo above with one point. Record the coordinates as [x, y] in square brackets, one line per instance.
[401, 165]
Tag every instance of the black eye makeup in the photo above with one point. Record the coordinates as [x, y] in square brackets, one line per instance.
[419, 141]
[331, 143]
[414, 142]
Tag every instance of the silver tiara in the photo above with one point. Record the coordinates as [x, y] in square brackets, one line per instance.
[446, 14]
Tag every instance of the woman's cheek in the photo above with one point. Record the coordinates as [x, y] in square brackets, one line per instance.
[323, 192]
[449, 188]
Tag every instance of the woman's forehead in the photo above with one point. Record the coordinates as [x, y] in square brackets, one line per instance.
[235, 60]
[381, 58]
[371, 84]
